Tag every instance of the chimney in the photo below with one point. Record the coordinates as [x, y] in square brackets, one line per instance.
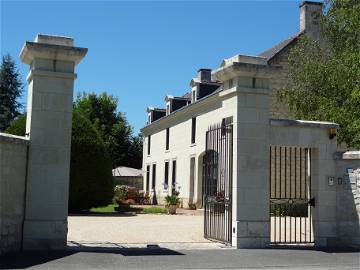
[204, 74]
[310, 14]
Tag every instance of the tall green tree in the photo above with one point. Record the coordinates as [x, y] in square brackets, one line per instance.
[10, 91]
[325, 75]
[113, 127]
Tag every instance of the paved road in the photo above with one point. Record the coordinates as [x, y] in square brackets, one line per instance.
[158, 258]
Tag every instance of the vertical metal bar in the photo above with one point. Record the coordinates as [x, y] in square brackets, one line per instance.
[280, 184]
[305, 189]
[274, 181]
[270, 185]
[285, 185]
[300, 192]
[310, 195]
[291, 206]
[295, 183]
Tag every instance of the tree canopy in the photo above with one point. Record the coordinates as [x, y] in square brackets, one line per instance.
[124, 148]
[325, 75]
[10, 91]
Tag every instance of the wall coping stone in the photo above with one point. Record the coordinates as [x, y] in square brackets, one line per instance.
[303, 123]
[4, 137]
[348, 155]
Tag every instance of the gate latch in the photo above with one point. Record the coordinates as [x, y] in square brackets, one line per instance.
[312, 202]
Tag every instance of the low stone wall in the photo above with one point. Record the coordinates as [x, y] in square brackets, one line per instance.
[13, 156]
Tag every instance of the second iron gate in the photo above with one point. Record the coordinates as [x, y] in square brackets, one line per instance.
[291, 201]
[217, 188]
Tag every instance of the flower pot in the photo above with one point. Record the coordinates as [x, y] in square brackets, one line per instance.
[172, 209]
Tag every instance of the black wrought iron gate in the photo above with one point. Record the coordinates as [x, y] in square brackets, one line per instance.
[217, 188]
[290, 195]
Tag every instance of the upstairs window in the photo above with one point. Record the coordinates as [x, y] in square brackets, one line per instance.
[167, 138]
[149, 145]
[193, 129]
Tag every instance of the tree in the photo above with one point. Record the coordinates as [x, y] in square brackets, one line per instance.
[91, 182]
[113, 126]
[18, 126]
[325, 75]
[10, 91]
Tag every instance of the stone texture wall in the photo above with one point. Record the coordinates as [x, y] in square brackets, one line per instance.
[348, 202]
[13, 152]
[278, 81]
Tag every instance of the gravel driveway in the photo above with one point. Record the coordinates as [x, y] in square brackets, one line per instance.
[138, 229]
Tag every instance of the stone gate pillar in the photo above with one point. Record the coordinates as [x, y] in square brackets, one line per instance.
[52, 61]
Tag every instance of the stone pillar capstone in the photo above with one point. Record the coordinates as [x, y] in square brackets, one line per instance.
[52, 61]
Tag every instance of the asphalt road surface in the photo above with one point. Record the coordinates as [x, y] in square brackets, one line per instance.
[162, 258]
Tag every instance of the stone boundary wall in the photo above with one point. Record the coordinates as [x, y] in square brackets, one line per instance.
[348, 197]
[13, 159]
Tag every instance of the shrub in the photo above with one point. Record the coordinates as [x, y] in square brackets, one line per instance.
[91, 182]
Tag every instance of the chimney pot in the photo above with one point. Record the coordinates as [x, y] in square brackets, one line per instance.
[310, 13]
[204, 74]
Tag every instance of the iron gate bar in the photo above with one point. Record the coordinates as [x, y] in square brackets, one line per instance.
[218, 183]
[290, 195]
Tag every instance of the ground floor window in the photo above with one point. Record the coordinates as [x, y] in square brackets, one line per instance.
[173, 180]
[147, 177]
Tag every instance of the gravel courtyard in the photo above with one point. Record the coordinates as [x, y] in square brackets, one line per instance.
[141, 229]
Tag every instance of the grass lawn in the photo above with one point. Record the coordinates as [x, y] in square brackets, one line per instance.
[155, 210]
[111, 209]
[105, 209]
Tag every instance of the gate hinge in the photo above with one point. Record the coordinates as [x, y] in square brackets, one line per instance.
[312, 202]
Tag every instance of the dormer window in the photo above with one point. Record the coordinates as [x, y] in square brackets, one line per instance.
[168, 108]
[230, 83]
[193, 96]
[149, 118]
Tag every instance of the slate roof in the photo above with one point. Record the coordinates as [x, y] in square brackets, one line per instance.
[270, 53]
[127, 171]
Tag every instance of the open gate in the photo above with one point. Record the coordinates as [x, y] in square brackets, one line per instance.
[217, 188]
[291, 201]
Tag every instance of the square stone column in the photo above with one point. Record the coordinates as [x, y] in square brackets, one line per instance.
[52, 61]
[251, 219]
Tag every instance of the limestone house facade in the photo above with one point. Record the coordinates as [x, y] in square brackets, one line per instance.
[174, 137]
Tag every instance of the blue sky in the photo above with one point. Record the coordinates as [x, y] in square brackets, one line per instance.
[141, 51]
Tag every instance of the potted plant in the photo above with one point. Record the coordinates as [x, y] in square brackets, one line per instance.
[171, 203]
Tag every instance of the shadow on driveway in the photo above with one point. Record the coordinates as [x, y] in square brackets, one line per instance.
[32, 258]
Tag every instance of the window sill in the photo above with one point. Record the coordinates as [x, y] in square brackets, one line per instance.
[167, 151]
[193, 144]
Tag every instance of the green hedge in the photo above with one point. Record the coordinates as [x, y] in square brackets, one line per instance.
[91, 182]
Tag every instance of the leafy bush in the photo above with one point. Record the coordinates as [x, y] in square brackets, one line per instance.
[18, 127]
[91, 182]
[172, 200]
[120, 192]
